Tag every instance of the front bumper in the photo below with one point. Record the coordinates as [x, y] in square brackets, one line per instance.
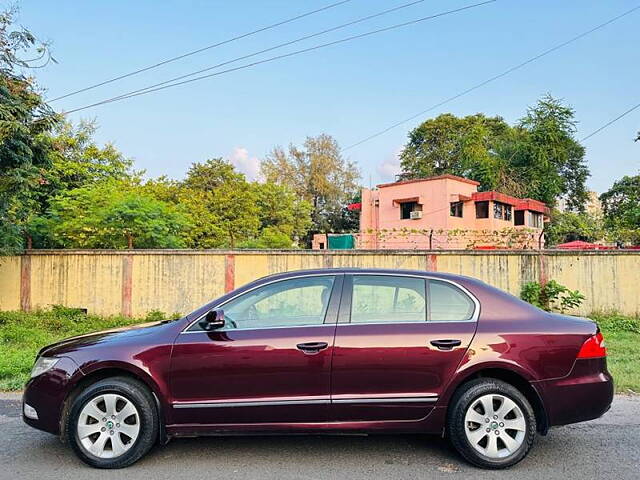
[586, 393]
[44, 395]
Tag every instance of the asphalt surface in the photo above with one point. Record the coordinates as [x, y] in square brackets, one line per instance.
[605, 448]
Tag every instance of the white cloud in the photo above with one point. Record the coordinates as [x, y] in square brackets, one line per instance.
[245, 163]
[390, 167]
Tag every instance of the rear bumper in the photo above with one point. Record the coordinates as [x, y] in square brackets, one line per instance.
[586, 393]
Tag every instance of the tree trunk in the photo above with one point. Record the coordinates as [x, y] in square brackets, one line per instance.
[29, 242]
[130, 241]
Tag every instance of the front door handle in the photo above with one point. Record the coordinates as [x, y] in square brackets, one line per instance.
[312, 347]
[446, 344]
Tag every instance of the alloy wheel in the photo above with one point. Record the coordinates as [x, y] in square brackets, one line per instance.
[108, 425]
[495, 426]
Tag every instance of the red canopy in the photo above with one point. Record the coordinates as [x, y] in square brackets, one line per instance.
[580, 245]
[354, 206]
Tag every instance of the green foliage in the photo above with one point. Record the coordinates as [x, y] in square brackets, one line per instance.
[25, 120]
[537, 158]
[616, 322]
[622, 339]
[318, 174]
[270, 237]
[621, 206]
[112, 215]
[23, 334]
[551, 296]
[280, 210]
[570, 226]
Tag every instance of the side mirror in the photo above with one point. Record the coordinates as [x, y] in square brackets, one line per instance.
[213, 320]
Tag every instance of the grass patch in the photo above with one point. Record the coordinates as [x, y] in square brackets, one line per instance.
[622, 338]
[23, 334]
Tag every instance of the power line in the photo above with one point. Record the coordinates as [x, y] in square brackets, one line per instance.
[199, 50]
[489, 80]
[278, 57]
[624, 114]
[275, 47]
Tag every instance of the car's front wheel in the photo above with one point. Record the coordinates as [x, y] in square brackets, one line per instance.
[491, 423]
[112, 423]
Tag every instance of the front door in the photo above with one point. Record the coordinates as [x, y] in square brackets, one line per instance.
[271, 361]
[399, 339]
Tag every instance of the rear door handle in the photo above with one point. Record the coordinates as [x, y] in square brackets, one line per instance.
[312, 347]
[446, 344]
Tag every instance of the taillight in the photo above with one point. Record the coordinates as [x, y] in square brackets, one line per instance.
[593, 347]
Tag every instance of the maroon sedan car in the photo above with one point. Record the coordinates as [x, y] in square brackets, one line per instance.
[323, 351]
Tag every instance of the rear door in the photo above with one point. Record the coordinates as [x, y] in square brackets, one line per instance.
[398, 340]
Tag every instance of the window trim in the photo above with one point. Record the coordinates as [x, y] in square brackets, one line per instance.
[344, 314]
[330, 316]
[453, 207]
[483, 202]
[414, 208]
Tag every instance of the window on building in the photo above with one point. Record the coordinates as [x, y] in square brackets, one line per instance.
[406, 208]
[386, 299]
[482, 209]
[456, 209]
[518, 217]
[536, 220]
[502, 211]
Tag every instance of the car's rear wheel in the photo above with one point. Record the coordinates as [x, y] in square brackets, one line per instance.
[491, 423]
[112, 423]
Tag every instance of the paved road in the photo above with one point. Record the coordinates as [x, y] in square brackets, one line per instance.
[602, 449]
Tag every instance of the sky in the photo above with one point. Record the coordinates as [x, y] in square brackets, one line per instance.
[350, 90]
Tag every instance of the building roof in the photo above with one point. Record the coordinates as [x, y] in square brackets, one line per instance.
[428, 179]
[533, 205]
[580, 245]
[495, 196]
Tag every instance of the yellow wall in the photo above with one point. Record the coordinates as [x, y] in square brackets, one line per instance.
[180, 281]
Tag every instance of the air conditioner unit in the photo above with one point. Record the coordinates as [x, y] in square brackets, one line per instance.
[415, 215]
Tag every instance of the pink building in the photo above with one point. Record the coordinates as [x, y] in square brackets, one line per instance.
[446, 212]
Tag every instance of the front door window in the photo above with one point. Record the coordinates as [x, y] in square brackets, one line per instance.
[288, 303]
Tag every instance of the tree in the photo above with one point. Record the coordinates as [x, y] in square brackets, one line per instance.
[551, 157]
[280, 210]
[212, 174]
[25, 120]
[459, 146]
[537, 158]
[621, 207]
[317, 173]
[204, 231]
[231, 200]
[569, 226]
[112, 215]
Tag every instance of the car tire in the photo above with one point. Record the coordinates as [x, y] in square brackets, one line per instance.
[491, 423]
[112, 423]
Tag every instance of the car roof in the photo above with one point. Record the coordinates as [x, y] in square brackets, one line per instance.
[366, 270]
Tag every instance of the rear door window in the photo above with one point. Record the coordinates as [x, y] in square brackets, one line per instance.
[386, 298]
[448, 303]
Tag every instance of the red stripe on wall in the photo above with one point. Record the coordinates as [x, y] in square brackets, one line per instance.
[543, 269]
[229, 272]
[25, 283]
[127, 284]
[432, 263]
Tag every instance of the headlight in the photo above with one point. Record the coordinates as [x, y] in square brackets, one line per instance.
[42, 365]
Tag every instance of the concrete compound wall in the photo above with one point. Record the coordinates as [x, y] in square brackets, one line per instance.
[135, 282]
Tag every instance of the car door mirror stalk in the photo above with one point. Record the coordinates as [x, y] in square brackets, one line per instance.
[213, 320]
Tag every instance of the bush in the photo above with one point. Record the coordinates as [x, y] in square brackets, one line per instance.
[551, 296]
[616, 322]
